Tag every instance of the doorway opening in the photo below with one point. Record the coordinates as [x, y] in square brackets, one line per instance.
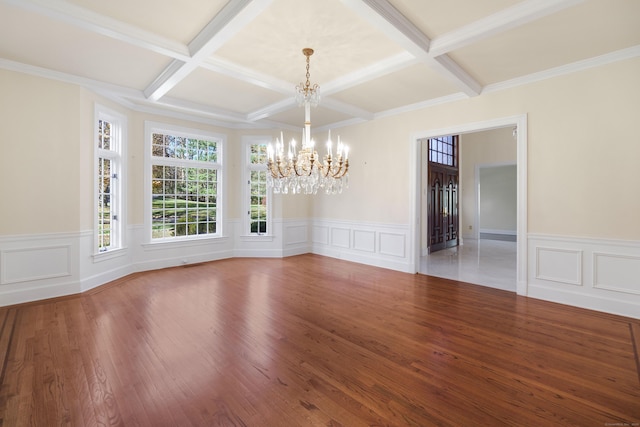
[518, 125]
[441, 193]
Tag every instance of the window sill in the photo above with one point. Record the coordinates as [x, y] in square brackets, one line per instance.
[109, 254]
[256, 238]
[183, 243]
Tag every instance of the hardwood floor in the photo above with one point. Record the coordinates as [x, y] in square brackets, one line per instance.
[312, 341]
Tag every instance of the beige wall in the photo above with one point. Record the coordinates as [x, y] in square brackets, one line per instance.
[46, 158]
[581, 153]
[39, 155]
[379, 163]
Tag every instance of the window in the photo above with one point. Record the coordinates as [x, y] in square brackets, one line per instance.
[110, 133]
[257, 195]
[444, 150]
[185, 183]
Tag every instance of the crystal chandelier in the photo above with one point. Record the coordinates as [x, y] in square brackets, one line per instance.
[300, 170]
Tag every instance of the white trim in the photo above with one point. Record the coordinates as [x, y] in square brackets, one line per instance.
[495, 231]
[221, 140]
[415, 168]
[578, 255]
[232, 18]
[377, 244]
[597, 274]
[399, 28]
[247, 141]
[598, 285]
[64, 270]
[118, 156]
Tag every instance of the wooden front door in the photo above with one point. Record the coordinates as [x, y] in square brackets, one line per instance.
[442, 207]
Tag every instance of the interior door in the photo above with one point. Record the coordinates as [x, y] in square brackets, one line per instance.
[442, 207]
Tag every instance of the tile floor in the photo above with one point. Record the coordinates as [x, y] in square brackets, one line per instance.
[484, 262]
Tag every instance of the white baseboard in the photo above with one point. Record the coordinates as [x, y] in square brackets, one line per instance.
[502, 232]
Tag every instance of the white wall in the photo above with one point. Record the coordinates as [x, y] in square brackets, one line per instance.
[498, 199]
[480, 149]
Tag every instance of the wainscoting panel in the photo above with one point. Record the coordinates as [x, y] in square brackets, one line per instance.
[381, 245]
[35, 263]
[341, 237]
[320, 234]
[296, 237]
[38, 267]
[618, 273]
[596, 274]
[296, 234]
[559, 265]
[394, 244]
[364, 240]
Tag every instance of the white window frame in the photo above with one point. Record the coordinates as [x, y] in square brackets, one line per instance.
[247, 142]
[150, 160]
[117, 156]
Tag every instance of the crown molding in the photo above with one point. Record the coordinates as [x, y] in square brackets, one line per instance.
[47, 73]
[420, 105]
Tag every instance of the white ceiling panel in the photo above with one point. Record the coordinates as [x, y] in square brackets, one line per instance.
[236, 62]
[342, 41]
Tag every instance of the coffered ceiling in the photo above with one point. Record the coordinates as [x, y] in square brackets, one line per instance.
[235, 63]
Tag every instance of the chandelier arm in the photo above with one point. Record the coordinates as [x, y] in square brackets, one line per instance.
[340, 173]
[282, 174]
[305, 171]
[272, 169]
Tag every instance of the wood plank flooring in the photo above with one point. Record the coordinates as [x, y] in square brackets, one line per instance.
[312, 341]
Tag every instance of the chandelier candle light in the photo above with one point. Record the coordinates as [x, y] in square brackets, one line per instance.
[301, 171]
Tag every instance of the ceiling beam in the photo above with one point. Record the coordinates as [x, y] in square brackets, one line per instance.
[247, 75]
[371, 72]
[396, 26]
[270, 110]
[229, 21]
[91, 21]
[348, 109]
[511, 17]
